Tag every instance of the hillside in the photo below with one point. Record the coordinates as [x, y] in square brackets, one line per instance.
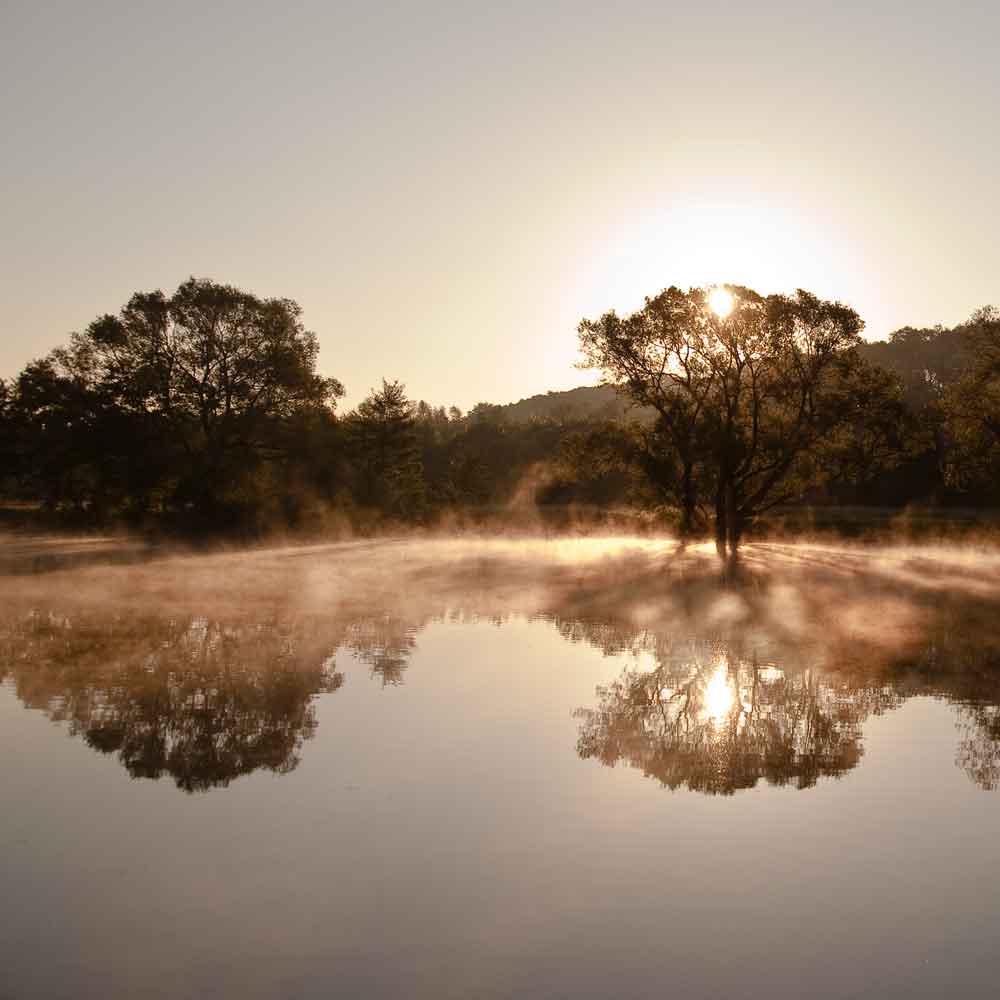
[923, 359]
[588, 402]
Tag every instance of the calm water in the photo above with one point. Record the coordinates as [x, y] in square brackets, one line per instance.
[470, 769]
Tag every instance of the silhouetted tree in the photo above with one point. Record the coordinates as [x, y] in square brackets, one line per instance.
[926, 360]
[874, 432]
[971, 405]
[742, 400]
[383, 437]
[216, 369]
[6, 429]
[10, 459]
[63, 431]
[606, 464]
[189, 402]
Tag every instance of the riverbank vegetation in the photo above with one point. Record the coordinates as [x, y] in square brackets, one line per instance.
[722, 413]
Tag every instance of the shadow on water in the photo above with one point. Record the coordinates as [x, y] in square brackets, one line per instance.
[29, 555]
[769, 674]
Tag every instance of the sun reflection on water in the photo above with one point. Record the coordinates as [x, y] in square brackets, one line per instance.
[718, 699]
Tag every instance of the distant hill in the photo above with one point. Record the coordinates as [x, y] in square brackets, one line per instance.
[588, 402]
[924, 359]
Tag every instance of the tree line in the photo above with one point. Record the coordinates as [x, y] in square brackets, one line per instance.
[204, 410]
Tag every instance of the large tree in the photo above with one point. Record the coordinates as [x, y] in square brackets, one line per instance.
[745, 396]
[210, 377]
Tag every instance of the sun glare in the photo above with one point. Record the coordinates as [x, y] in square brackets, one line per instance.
[721, 302]
[718, 695]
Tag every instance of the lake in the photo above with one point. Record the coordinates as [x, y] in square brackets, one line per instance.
[518, 767]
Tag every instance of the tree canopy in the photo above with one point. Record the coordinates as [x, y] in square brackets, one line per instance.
[743, 401]
[205, 411]
[384, 443]
[971, 406]
[184, 396]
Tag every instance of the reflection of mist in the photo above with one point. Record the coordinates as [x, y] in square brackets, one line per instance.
[769, 675]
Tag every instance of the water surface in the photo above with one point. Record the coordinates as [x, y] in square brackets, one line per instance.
[590, 768]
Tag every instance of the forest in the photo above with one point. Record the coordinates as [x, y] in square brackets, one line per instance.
[721, 413]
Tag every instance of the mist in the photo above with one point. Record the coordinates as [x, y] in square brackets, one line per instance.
[911, 619]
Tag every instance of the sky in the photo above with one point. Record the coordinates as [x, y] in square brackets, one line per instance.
[448, 189]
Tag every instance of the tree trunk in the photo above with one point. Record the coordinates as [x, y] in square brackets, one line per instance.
[732, 519]
[720, 522]
[737, 525]
[688, 502]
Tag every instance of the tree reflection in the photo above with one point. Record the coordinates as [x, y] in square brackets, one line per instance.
[709, 720]
[978, 751]
[194, 699]
[385, 643]
[769, 675]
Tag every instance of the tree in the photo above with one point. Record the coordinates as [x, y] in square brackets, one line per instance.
[926, 360]
[58, 426]
[216, 369]
[383, 438]
[971, 407]
[601, 462]
[8, 447]
[12, 445]
[193, 399]
[742, 400]
[875, 431]
[928, 363]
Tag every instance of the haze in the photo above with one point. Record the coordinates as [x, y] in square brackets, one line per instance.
[579, 768]
[433, 182]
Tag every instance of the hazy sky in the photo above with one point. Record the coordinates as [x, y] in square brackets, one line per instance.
[448, 189]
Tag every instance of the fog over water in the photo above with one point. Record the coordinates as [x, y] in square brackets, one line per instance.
[530, 763]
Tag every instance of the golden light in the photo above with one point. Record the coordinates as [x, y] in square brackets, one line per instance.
[718, 694]
[721, 302]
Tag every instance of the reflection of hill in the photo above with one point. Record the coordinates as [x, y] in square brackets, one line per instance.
[193, 699]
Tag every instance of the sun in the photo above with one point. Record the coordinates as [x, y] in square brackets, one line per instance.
[721, 302]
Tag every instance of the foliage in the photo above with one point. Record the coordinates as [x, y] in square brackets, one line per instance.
[383, 443]
[971, 407]
[926, 360]
[743, 401]
[177, 401]
[204, 410]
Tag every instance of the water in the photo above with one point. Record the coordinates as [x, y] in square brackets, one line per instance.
[462, 769]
